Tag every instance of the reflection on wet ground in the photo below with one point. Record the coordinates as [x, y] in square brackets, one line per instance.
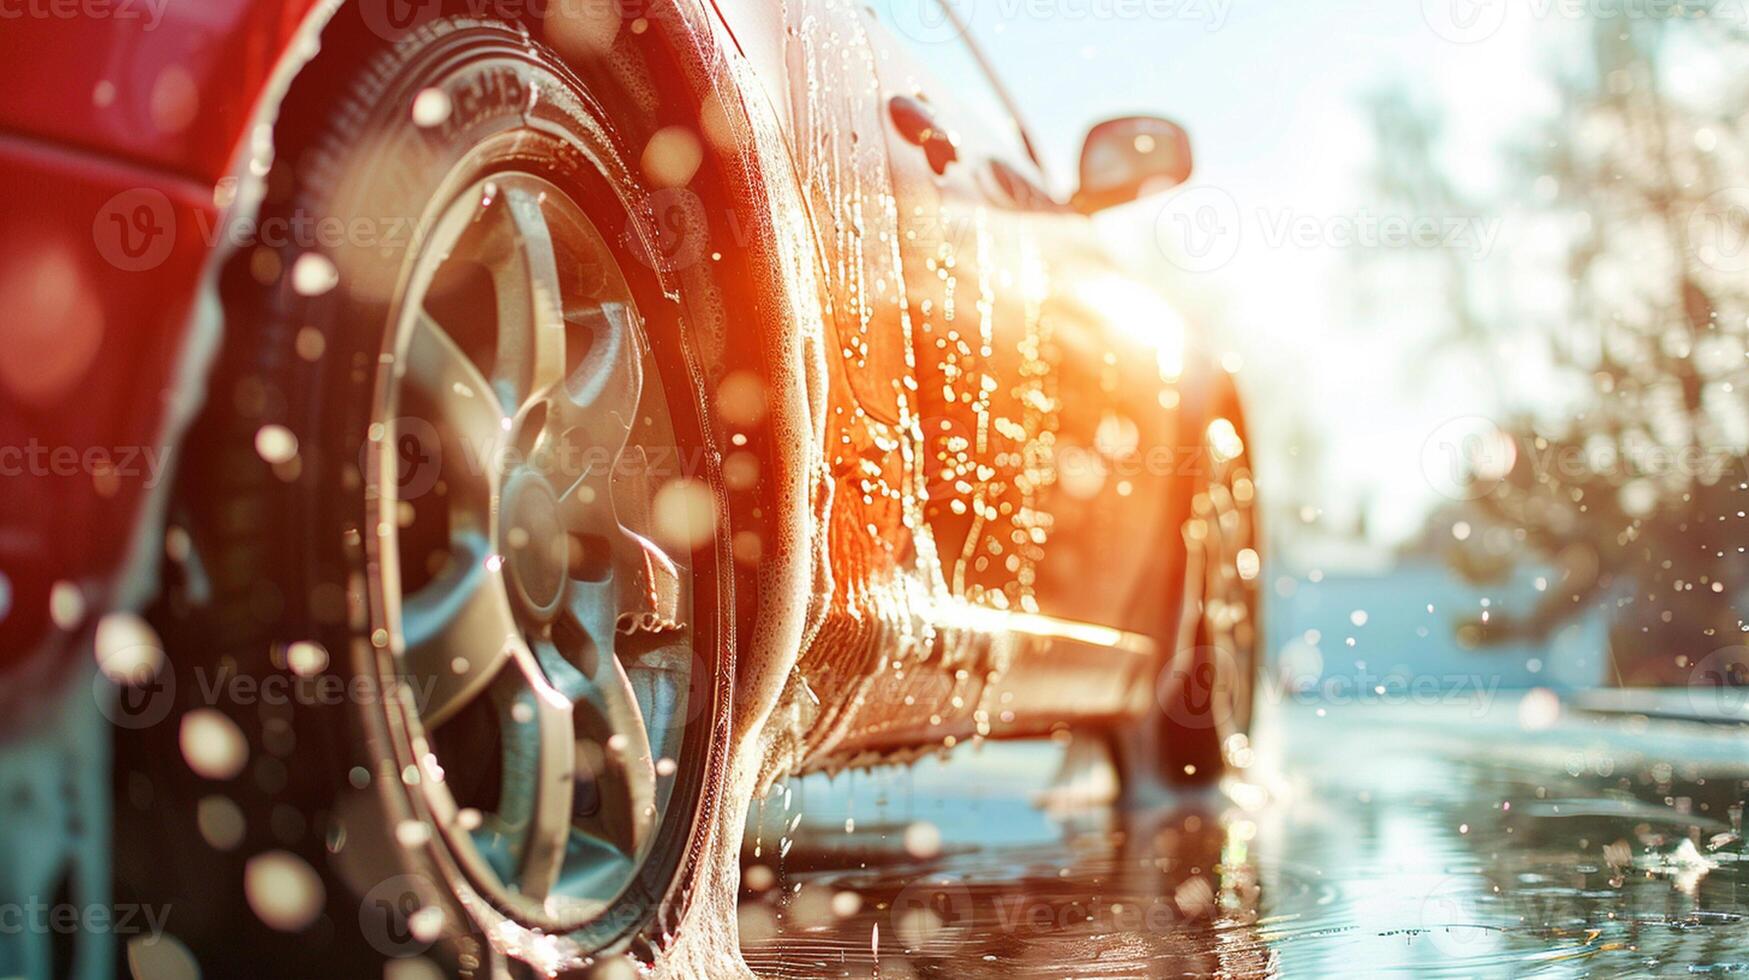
[1521, 839]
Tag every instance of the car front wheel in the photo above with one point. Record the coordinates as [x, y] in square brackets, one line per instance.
[454, 494]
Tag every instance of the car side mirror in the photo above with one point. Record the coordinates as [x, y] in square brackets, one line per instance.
[1128, 158]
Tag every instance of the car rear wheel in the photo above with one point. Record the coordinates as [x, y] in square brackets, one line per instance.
[455, 462]
[1199, 723]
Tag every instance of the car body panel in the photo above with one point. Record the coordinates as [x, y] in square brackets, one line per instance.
[169, 86]
[983, 565]
[99, 262]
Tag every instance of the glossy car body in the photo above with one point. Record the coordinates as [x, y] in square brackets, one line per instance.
[981, 437]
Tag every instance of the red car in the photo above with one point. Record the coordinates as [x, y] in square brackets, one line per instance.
[491, 441]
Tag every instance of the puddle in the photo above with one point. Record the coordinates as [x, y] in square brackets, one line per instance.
[1443, 841]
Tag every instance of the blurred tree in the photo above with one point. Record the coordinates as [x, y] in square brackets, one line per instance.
[1411, 181]
[1637, 498]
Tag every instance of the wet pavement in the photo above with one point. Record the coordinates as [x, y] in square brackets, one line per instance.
[1519, 837]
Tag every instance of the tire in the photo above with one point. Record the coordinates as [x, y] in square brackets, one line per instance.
[346, 519]
[1198, 725]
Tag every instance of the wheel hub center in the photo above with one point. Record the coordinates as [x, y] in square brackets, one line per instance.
[536, 546]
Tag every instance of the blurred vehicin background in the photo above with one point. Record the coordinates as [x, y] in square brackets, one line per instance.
[1480, 270]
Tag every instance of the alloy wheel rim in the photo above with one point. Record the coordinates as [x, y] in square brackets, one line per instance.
[536, 610]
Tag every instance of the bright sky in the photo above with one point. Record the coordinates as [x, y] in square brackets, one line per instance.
[1271, 93]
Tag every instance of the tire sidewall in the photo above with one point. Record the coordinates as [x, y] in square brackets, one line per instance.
[511, 107]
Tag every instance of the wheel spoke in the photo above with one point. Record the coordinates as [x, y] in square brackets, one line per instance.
[610, 718]
[464, 400]
[595, 410]
[540, 762]
[458, 631]
[531, 319]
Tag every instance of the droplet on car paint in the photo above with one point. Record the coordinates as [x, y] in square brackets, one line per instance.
[283, 890]
[51, 323]
[1248, 563]
[747, 547]
[741, 399]
[1224, 441]
[66, 605]
[741, 471]
[1540, 708]
[175, 99]
[616, 968]
[922, 840]
[758, 878]
[672, 156]
[685, 514]
[430, 108]
[306, 659]
[313, 274]
[846, 904]
[275, 444]
[1080, 472]
[212, 744]
[160, 956]
[426, 924]
[221, 822]
[412, 968]
[128, 649]
[413, 833]
[311, 344]
[585, 30]
[1358, 617]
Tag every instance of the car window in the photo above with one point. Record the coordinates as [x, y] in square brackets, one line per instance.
[934, 39]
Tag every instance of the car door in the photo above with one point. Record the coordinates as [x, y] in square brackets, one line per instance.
[1037, 408]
